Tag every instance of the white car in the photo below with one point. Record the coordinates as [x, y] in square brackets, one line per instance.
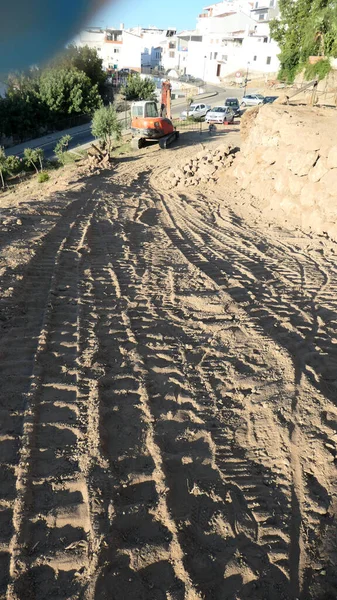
[196, 110]
[220, 114]
[252, 100]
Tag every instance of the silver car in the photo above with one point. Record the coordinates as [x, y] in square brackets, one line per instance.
[252, 100]
[197, 110]
[220, 114]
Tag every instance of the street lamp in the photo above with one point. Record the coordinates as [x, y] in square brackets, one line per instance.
[203, 76]
[246, 81]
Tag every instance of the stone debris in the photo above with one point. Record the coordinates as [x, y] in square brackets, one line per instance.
[97, 159]
[204, 168]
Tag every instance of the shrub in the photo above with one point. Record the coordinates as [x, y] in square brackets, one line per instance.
[106, 127]
[14, 164]
[34, 158]
[61, 148]
[319, 69]
[43, 176]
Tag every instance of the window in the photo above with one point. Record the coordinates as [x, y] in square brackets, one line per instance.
[265, 40]
[116, 50]
[256, 4]
[268, 60]
[171, 54]
[151, 110]
[172, 45]
[217, 41]
[210, 56]
[255, 58]
[272, 3]
[262, 16]
[215, 55]
[224, 57]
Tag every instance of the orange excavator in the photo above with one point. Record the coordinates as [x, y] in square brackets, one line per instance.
[146, 124]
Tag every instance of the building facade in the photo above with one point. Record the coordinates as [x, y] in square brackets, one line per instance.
[118, 48]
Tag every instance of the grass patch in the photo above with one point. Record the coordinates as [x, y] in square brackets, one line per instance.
[73, 156]
[123, 148]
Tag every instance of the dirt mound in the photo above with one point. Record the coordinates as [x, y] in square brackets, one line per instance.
[288, 162]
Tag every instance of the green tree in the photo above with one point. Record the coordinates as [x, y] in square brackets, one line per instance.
[61, 148]
[68, 91]
[83, 59]
[34, 158]
[22, 111]
[106, 127]
[305, 27]
[137, 88]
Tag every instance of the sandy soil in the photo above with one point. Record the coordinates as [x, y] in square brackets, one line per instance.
[168, 420]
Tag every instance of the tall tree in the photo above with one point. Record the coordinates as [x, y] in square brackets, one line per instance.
[84, 59]
[305, 27]
[68, 91]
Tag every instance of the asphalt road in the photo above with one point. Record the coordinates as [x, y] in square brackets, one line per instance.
[83, 137]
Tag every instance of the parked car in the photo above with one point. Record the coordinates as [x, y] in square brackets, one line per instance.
[186, 78]
[269, 99]
[252, 100]
[220, 114]
[234, 104]
[196, 110]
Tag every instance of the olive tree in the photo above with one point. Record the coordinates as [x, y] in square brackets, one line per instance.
[106, 127]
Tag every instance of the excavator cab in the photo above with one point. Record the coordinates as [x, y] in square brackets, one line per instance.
[144, 109]
[146, 124]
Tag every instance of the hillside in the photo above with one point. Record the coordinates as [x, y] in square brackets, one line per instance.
[168, 399]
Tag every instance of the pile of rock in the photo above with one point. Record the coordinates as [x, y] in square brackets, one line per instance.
[97, 159]
[288, 162]
[204, 168]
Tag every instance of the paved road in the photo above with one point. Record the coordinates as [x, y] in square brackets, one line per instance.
[82, 135]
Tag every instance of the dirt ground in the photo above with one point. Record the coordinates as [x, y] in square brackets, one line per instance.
[168, 392]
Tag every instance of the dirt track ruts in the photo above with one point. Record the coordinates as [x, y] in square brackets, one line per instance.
[168, 419]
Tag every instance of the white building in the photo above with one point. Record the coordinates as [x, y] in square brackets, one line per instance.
[260, 50]
[118, 48]
[231, 36]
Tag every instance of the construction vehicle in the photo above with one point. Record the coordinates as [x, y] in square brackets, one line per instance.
[146, 124]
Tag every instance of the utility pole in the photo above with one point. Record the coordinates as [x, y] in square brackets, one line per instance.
[246, 80]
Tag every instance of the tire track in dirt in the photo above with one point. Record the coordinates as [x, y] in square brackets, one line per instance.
[140, 553]
[208, 259]
[50, 508]
[183, 420]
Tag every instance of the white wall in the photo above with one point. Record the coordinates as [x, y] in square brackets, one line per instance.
[258, 53]
[131, 51]
[170, 58]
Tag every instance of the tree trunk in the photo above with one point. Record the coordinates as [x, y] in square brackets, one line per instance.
[2, 178]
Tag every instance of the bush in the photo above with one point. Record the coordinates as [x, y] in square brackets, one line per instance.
[9, 165]
[106, 127]
[61, 148]
[43, 176]
[320, 69]
[138, 88]
[34, 158]
[14, 164]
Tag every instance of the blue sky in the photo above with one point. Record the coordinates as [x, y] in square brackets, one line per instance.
[180, 14]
